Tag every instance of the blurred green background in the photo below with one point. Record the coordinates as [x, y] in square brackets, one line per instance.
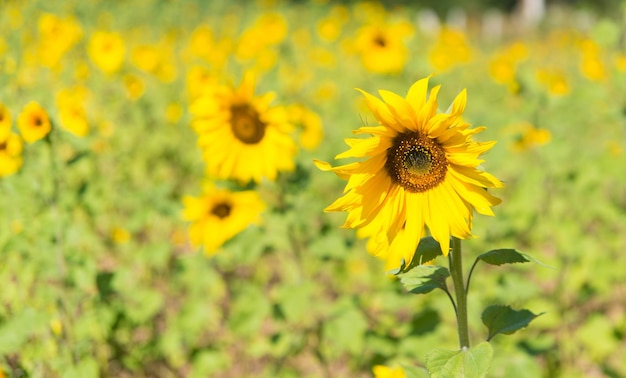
[97, 273]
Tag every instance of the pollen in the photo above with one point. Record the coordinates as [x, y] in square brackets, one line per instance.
[416, 162]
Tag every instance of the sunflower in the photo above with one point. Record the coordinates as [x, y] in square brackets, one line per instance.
[421, 171]
[241, 136]
[10, 154]
[382, 48]
[218, 215]
[33, 122]
[107, 51]
[5, 122]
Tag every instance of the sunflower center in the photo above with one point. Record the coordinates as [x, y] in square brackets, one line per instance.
[3, 146]
[416, 162]
[221, 210]
[379, 41]
[246, 124]
[37, 121]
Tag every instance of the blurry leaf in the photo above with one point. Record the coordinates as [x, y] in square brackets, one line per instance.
[503, 256]
[85, 368]
[466, 363]
[345, 330]
[423, 279]
[598, 337]
[427, 250]
[414, 372]
[77, 157]
[294, 301]
[249, 309]
[606, 33]
[424, 322]
[15, 332]
[104, 283]
[143, 304]
[505, 320]
[209, 362]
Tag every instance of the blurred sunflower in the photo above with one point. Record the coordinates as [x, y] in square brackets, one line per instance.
[72, 114]
[33, 122]
[242, 137]
[218, 215]
[10, 154]
[107, 50]
[5, 122]
[382, 47]
[421, 170]
[381, 371]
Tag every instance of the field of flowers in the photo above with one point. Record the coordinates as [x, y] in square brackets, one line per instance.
[162, 169]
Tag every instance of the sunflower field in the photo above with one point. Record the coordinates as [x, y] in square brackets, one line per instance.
[231, 189]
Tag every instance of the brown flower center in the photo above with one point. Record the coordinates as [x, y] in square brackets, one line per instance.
[416, 162]
[221, 210]
[246, 124]
[380, 41]
[37, 121]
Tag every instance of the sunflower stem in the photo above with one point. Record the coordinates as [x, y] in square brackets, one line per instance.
[456, 272]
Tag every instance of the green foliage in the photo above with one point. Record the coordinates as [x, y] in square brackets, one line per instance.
[503, 256]
[423, 279]
[427, 250]
[466, 363]
[505, 320]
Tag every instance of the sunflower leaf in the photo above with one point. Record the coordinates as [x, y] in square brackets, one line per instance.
[469, 363]
[423, 279]
[504, 256]
[505, 320]
[427, 250]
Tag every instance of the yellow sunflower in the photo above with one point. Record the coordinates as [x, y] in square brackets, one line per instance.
[5, 122]
[382, 48]
[10, 154]
[241, 136]
[421, 170]
[218, 215]
[33, 122]
[107, 51]
[382, 371]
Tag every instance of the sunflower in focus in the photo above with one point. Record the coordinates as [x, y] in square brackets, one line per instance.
[421, 171]
[218, 215]
[33, 122]
[241, 136]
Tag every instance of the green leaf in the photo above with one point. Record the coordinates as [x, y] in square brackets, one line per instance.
[465, 363]
[85, 368]
[503, 256]
[505, 320]
[414, 372]
[423, 279]
[428, 249]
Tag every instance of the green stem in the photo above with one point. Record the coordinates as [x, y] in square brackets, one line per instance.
[456, 272]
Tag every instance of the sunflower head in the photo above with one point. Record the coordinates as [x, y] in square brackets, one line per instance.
[218, 215]
[420, 172]
[33, 122]
[241, 135]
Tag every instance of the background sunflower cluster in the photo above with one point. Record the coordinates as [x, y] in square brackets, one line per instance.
[108, 149]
